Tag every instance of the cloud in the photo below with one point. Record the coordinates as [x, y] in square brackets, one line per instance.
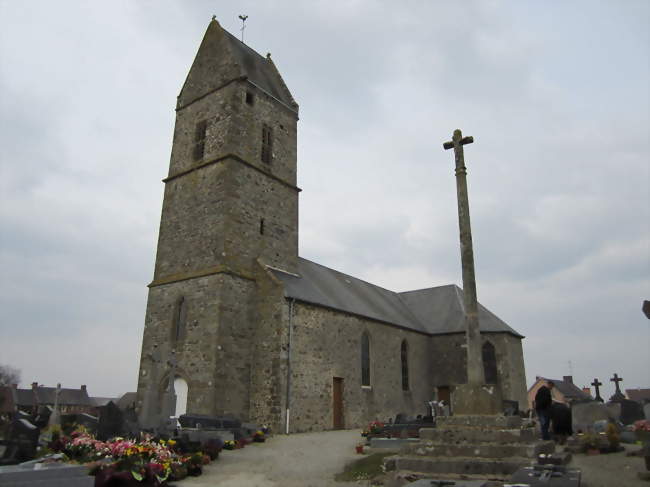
[556, 100]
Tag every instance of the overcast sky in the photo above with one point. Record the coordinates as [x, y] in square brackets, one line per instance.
[555, 94]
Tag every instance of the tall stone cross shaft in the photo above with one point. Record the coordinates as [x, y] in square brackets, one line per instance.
[475, 373]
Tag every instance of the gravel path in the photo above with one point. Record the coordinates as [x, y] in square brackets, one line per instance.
[298, 460]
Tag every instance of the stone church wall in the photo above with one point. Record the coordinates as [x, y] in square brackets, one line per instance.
[327, 344]
[449, 363]
[510, 366]
[213, 353]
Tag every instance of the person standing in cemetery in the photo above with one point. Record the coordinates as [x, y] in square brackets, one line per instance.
[543, 402]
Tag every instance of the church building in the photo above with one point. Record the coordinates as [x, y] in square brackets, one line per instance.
[255, 330]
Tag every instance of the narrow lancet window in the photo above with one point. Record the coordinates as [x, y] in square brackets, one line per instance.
[180, 318]
[489, 363]
[365, 359]
[405, 366]
[267, 144]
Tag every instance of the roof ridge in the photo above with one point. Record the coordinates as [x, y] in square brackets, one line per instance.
[428, 288]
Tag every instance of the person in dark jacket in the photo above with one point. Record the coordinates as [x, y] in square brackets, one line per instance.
[543, 402]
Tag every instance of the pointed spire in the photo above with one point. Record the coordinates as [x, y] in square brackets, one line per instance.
[221, 59]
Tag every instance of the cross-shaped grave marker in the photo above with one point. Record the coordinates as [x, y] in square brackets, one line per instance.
[618, 395]
[596, 383]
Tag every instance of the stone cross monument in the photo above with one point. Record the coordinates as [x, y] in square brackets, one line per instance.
[618, 395]
[473, 397]
[596, 383]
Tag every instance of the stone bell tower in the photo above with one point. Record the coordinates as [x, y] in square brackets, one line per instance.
[230, 204]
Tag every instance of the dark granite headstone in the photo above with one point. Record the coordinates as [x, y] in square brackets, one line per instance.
[561, 419]
[631, 411]
[21, 442]
[111, 422]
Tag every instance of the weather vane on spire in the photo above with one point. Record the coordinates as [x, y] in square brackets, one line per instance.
[243, 25]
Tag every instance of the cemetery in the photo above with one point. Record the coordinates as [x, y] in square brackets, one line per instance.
[47, 448]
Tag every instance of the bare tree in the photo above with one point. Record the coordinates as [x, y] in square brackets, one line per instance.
[9, 375]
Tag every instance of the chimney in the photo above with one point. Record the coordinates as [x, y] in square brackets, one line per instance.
[83, 388]
[568, 379]
[34, 385]
[14, 386]
[586, 390]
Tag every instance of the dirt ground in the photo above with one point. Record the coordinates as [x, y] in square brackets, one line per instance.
[611, 470]
[298, 460]
[312, 460]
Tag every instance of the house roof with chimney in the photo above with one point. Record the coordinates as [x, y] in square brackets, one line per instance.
[43, 395]
[564, 386]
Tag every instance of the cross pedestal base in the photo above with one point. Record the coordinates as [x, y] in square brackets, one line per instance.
[477, 399]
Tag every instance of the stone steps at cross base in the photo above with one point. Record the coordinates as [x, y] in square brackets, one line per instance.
[478, 435]
[488, 467]
[482, 450]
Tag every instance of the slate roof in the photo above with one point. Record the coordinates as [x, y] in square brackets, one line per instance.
[221, 59]
[638, 395]
[437, 310]
[46, 395]
[260, 70]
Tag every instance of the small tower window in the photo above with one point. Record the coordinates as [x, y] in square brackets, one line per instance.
[249, 98]
[267, 144]
[261, 226]
[199, 140]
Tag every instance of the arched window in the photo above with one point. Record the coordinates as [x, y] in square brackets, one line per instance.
[365, 359]
[405, 365]
[180, 318]
[489, 363]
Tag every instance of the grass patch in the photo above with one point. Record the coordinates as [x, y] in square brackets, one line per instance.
[366, 467]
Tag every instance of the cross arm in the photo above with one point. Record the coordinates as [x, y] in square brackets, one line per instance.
[465, 140]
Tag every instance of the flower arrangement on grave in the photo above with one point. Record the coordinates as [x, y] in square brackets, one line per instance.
[374, 428]
[642, 425]
[229, 445]
[259, 437]
[146, 462]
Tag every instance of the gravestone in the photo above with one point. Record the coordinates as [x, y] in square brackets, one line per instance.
[21, 442]
[37, 474]
[584, 415]
[596, 383]
[68, 421]
[614, 409]
[646, 410]
[631, 411]
[618, 395]
[561, 418]
[111, 422]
